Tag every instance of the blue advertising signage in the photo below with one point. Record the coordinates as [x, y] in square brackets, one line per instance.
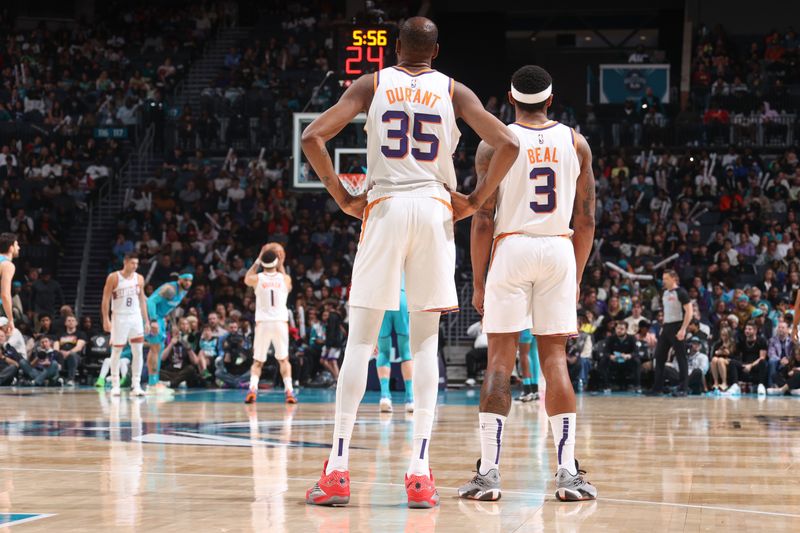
[619, 83]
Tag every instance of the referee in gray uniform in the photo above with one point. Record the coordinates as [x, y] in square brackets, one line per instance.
[677, 315]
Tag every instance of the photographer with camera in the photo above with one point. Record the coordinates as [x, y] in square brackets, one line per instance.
[180, 363]
[9, 361]
[233, 366]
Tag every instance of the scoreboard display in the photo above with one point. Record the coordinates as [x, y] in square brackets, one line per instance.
[363, 49]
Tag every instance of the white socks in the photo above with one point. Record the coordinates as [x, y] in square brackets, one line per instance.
[563, 427]
[424, 341]
[116, 351]
[491, 427]
[136, 370]
[365, 324]
[254, 379]
[287, 384]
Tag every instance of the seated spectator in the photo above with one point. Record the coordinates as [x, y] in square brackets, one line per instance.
[579, 355]
[45, 328]
[753, 366]
[9, 361]
[698, 366]
[42, 365]
[788, 378]
[477, 357]
[180, 364]
[620, 354]
[334, 340]
[779, 351]
[724, 354]
[70, 345]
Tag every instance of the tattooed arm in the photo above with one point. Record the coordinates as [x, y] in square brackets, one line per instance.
[357, 98]
[583, 211]
[482, 229]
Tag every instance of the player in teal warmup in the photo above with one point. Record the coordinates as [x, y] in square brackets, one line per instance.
[9, 250]
[397, 321]
[529, 361]
[160, 304]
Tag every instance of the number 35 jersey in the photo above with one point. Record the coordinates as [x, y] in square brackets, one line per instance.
[411, 131]
[537, 194]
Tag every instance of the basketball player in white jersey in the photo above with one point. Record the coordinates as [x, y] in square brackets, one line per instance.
[9, 250]
[123, 295]
[272, 288]
[536, 267]
[407, 227]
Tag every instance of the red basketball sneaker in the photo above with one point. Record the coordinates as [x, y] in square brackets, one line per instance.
[331, 489]
[290, 397]
[421, 491]
[250, 398]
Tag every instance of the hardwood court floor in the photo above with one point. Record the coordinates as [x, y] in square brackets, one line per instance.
[78, 461]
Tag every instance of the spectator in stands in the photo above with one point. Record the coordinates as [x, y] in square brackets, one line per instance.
[779, 351]
[45, 328]
[579, 354]
[620, 353]
[9, 361]
[788, 378]
[477, 357]
[42, 366]
[754, 365]
[47, 293]
[334, 340]
[233, 367]
[698, 366]
[70, 345]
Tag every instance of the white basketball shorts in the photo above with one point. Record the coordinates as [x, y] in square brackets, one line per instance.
[531, 285]
[411, 234]
[124, 328]
[271, 332]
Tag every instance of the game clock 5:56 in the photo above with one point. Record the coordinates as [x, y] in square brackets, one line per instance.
[363, 49]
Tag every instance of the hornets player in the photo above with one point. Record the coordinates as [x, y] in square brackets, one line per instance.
[529, 366]
[396, 321]
[9, 249]
[160, 304]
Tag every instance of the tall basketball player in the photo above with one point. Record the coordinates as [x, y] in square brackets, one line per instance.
[272, 288]
[534, 275]
[160, 304]
[123, 295]
[9, 250]
[407, 227]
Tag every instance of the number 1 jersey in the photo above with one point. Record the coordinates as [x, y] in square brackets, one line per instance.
[271, 295]
[411, 131]
[537, 194]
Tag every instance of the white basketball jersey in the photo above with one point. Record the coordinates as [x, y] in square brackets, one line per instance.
[271, 295]
[537, 194]
[125, 298]
[411, 130]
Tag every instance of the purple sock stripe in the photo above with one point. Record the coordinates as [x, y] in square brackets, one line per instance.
[499, 433]
[341, 447]
[422, 449]
[564, 433]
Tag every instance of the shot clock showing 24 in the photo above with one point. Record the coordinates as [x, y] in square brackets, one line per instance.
[363, 49]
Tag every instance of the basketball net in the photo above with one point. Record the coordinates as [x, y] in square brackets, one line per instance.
[354, 183]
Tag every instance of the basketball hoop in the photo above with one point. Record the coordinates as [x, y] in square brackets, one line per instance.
[354, 183]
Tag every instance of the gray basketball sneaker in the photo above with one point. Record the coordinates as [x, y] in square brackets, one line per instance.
[483, 487]
[573, 488]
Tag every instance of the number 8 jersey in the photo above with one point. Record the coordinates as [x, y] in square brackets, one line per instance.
[537, 195]
[125, 298]
[411, 130]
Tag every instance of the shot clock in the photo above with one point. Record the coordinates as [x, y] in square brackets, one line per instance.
[364, 49]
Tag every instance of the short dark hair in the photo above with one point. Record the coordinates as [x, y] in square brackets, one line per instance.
[673, 274]
[419, 36]
[751, 322]
[268, 257]
[6, 241]
[531, 79]
[131, 255]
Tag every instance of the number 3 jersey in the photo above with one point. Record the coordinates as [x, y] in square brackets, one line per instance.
[125, 298]
[411, 131]
[271, 294]
[537, 194]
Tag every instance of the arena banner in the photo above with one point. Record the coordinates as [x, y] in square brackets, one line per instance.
[622, 82]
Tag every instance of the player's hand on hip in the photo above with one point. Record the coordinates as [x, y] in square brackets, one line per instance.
[478, 295]
[355, 205]
[462, 207]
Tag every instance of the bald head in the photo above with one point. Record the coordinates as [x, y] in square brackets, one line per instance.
[418, 38]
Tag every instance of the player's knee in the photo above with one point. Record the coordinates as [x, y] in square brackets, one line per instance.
[404, 348]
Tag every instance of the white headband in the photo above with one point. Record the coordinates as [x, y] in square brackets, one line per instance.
[271, 264]
[535, 98]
